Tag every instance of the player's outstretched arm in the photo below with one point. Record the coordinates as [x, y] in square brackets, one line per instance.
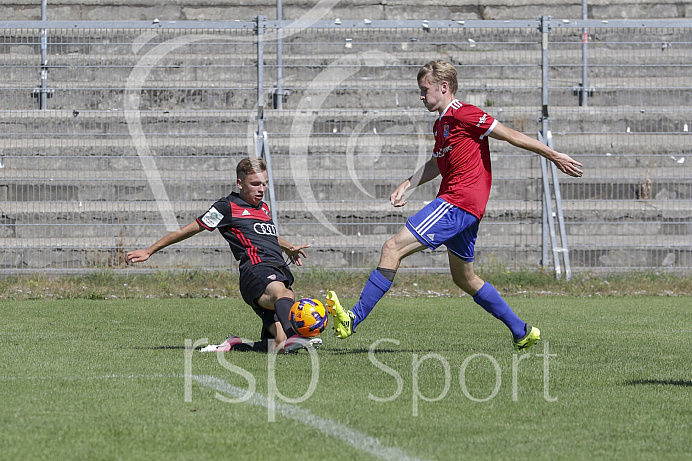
[426, 173]
[138, 256]
[294, 252]
[563, 162]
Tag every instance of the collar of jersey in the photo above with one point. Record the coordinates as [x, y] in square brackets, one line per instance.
[446, 109]
[249, 205]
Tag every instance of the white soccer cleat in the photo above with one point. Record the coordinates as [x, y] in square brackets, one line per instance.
[296, 343]
[223, 347]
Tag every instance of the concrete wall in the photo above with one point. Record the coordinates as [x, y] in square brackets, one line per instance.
[345, 9]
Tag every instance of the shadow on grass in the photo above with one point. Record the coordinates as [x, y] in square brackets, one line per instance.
[157, 348]
[660, 382]
[362, 350]
[322, 350]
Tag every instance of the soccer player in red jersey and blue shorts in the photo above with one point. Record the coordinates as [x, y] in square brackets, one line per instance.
[462, 156]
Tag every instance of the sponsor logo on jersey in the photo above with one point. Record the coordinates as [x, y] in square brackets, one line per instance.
[482, 119]
[264, 228]
[245, 213]
[212, 218]
[271, 277]
[445, 131]
[442, 152]
[431, 236]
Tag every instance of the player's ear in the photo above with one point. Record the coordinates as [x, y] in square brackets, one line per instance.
[444, 86]
[239, 182]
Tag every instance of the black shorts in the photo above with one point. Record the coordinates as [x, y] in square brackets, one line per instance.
[254, 280]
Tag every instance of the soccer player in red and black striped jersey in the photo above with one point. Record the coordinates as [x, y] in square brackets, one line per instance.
[462, 157]
[244, 220]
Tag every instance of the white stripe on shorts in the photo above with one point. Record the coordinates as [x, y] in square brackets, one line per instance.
[433, 217]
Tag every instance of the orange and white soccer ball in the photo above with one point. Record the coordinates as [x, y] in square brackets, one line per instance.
[308, 317]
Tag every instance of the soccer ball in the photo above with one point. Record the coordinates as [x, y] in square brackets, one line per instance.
[308, 317]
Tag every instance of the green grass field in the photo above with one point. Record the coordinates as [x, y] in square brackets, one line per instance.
[429, 379]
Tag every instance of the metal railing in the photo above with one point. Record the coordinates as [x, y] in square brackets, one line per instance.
[142, 124]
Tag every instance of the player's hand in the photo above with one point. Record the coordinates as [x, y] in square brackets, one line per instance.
[136, 256]
[568, 165]
[295, 252]
[397, 197]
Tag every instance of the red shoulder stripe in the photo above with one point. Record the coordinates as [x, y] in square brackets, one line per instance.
[240, 212]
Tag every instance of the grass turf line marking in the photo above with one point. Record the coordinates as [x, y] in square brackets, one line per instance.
[328, 427]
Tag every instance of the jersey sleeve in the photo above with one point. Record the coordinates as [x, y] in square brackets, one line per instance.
[218, 215]
[477, 122]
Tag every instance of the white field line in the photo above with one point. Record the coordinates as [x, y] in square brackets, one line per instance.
[356, 439]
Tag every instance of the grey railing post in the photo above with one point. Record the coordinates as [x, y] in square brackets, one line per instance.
[547, 226]
[260, 27]
[545, 136]
[44, 58]
[584, 93]
[261, 140]
[278, 95]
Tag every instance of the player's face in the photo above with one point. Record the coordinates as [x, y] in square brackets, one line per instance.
[433, 95]
[252, 187]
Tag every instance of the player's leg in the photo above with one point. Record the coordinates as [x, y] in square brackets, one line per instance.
[483, 293]
[403, 244]
[407, 241]
[275, 339]
[461, 249]
[486, 296]
[266, 287]
[269, 287]
[279, 298]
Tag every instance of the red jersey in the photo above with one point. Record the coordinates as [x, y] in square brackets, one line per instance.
[463, 156]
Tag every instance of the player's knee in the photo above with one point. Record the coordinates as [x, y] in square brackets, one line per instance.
[390, 248]
[463, 281]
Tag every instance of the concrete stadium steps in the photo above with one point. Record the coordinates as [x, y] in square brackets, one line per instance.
[331, 173]
[330, 178]
[100, 202]
[100, 120]
[622, 150]
[175, 125]
[157, 95]
[216, 256]
[322, 243]
[226, 79]
[24, 222]
[587, 251]
[402, 56]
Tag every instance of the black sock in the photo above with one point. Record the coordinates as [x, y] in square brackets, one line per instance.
[387, 273]
[283, 308]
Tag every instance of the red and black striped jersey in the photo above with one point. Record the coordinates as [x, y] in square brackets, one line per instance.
[248, 229]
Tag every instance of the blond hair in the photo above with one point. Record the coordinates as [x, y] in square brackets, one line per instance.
[250, 165]
[438, 72]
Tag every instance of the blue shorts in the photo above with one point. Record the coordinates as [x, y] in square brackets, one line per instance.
[441, 223]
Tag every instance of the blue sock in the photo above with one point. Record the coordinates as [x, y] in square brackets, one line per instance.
[490, 300]
[375, 288]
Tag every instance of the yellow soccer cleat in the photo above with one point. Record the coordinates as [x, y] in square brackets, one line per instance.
[343, 320]
[529, 339]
